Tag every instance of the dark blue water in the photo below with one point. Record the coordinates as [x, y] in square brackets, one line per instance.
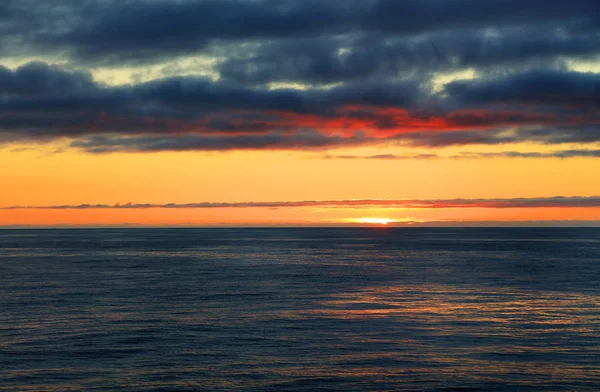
[300, 310]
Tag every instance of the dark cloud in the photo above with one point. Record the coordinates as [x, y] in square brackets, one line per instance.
[383, 157]
[303, 139]
[158, 27]
[312, 139]
[329, 60]
[543, 86]
[38, 78]
[541, 202]
[193, 92]
[559, 135]
[550, 135]
[119, 31]
[40, 102]
[563, 154]
[365, 68]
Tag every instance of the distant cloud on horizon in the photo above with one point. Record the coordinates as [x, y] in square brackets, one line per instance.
[541, 202]
[430, 224]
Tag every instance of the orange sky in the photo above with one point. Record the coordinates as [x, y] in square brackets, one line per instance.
[179, 102]
[37, 178]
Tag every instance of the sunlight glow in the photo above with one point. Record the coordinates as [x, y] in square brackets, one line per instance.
[373, 221]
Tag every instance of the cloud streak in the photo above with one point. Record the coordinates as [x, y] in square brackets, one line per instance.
[541, 202]
[562, 154]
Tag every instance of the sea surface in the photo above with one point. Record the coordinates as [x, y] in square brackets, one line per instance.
[366, 309]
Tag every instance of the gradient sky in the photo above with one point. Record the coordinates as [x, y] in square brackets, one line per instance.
[295, 112]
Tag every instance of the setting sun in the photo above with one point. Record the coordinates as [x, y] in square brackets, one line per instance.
[373, 221]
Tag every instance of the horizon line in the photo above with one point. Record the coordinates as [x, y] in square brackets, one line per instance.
[393, 225]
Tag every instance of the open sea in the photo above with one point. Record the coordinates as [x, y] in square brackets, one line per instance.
[317, 309]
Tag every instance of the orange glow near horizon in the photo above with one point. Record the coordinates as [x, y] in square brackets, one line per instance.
[35, 178]
[372, 221]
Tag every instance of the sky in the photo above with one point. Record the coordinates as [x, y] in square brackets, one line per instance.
[299, 112]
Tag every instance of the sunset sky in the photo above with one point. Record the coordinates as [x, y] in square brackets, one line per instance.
[299, 112]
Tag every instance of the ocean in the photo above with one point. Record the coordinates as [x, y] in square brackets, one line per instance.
[307, 309]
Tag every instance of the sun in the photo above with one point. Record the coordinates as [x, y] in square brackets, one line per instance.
[374, 221]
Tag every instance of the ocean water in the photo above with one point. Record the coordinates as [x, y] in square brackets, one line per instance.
[368, 309]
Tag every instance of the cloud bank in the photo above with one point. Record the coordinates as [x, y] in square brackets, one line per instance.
[299, 74]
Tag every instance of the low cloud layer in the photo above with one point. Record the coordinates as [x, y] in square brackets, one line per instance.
[542, 202]
[44, 103]
[563, 154]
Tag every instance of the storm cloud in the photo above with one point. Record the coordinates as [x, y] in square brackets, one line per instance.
[300, 74]
[109, 30]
